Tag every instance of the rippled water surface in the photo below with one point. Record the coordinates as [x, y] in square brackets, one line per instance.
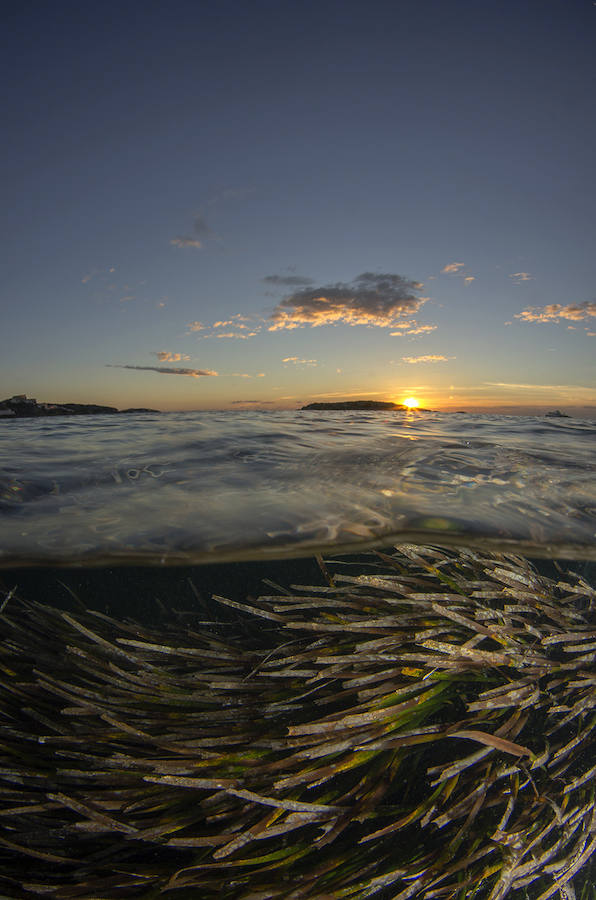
[208, 486]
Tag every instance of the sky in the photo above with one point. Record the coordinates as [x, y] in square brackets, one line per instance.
[232, 205]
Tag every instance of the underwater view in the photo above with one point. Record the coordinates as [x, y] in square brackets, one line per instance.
[298, 655]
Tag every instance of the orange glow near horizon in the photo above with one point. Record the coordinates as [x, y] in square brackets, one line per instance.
[411, 403]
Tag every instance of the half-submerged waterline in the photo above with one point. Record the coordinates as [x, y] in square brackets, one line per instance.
[421, 725]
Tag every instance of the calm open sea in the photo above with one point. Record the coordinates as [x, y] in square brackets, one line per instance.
[210, 486]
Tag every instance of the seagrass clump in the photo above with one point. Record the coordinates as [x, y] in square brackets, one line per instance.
[424, 730]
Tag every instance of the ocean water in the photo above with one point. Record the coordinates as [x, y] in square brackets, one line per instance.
[146, 516]
[205, 487]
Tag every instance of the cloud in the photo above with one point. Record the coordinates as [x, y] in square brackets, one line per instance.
[412, 360]
[264, 402]
[522, 276]
[166, 356]
[127, 298]
[574, 312]
[411, 328]
[233, 334]
[534, 387]
[195, 326]
[452, 268]
[574, 394]
[342, 394]
[94, 272]
[421, 329]
[191, 373]
[287, 280]
[403, 326]
[370, 299]
[236, 321]
[469, 279]
[185, 241]
[201, 231]
[297, 361]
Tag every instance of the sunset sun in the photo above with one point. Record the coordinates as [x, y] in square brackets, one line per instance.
[411, 403]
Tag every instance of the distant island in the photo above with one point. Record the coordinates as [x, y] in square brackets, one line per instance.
[22, 407]
[556, 414]
[364, 404]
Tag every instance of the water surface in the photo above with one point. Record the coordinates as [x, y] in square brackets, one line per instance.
[209, 486]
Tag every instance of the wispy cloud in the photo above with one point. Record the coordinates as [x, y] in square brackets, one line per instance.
[434, 358]
[420, 329]
[297, 361]
[234, 335]
[200, 231]
[236, 321]
[574, 312]
[162, 370]
[518, 277]
[378, 300]
[455, 268]
[195, 326]
[287, 280]
[166, 356]
[238, 329]
[101, 272]
[185, 241]
[411, 328]
[342, 394]
[573, 394]
[535, 387]
[260, 402]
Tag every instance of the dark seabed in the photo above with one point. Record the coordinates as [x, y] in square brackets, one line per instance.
[298, 655]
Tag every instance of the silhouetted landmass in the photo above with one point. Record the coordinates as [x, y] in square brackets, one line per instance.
[556, 414]
[22, 407]
[361, 404]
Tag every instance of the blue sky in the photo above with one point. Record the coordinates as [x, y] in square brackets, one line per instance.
[314, 200]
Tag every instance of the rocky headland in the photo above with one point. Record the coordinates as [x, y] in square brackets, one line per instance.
[363, 404]
[22, 407]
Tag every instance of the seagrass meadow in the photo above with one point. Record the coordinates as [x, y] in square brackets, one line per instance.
[419, 724]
